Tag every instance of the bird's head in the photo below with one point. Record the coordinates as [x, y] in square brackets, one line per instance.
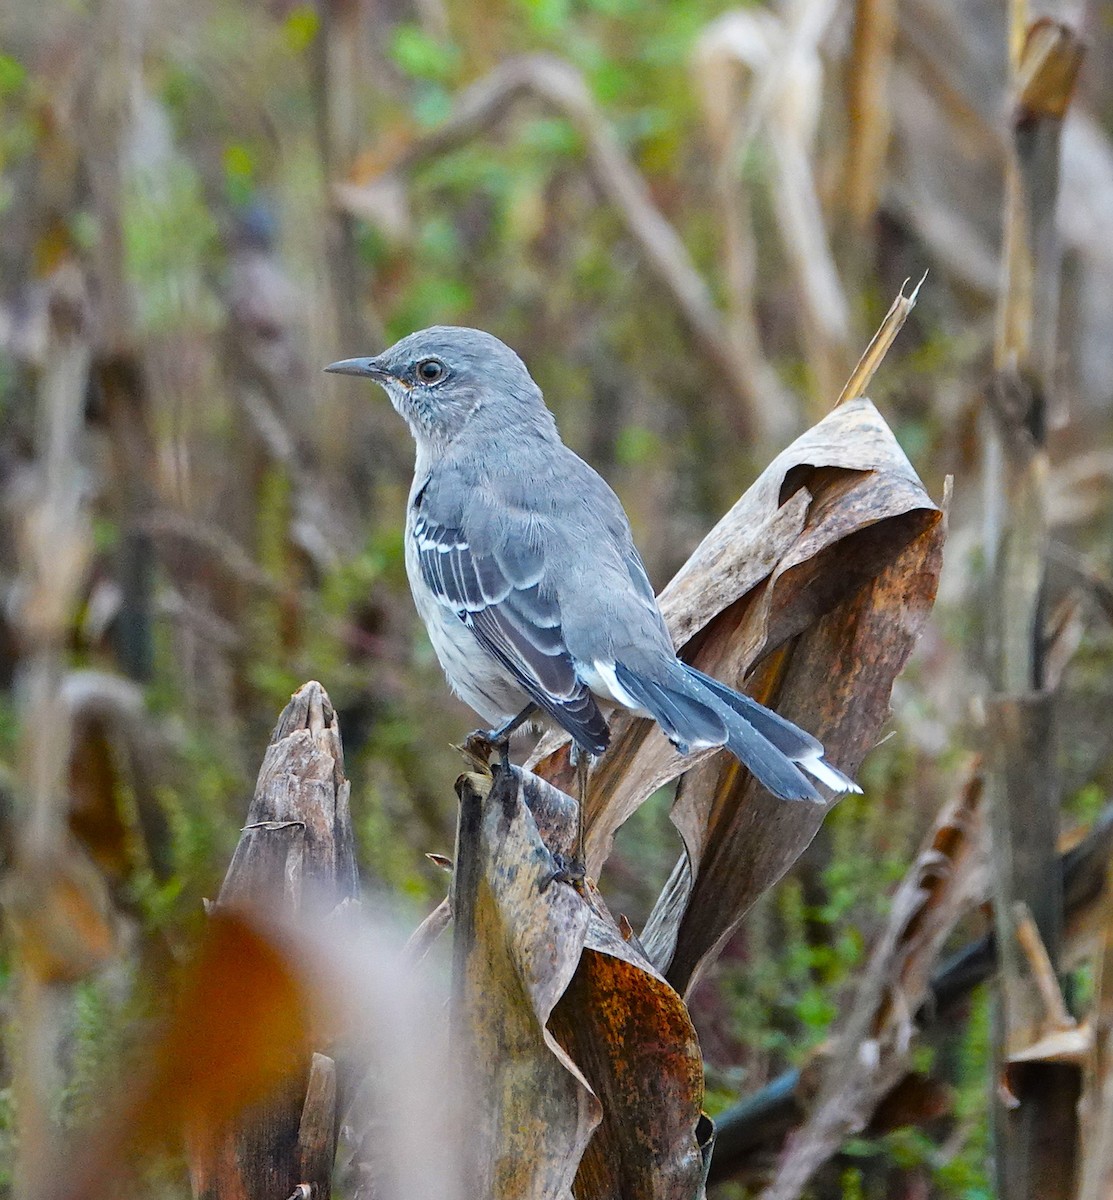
[445, 378]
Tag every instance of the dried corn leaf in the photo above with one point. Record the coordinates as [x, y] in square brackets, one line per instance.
[810, 591]
[835, 680]
[567, 1025]
[517, 941]
[631, 1035]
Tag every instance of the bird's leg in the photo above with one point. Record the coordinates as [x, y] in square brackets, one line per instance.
[583, 775]
[480, 743]
[571, 868]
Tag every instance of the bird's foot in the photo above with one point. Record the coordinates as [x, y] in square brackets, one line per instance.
[567, 868]
[482, 743]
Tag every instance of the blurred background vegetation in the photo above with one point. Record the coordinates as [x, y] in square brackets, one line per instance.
[688, 218]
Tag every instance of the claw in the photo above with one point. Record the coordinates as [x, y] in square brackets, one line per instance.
[478, 747]
[566, 869]
[480, 744]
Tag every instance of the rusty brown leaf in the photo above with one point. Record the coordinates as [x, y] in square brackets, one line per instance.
[631, 1035]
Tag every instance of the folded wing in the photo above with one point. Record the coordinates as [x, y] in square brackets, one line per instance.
[498, 591]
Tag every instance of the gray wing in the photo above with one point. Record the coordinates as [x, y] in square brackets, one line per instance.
[497, 589]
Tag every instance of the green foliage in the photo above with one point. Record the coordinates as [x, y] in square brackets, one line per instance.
[301, 28]
[7, 1137]
[13, 76]
[422, 56]
[637, 446]
[169, 238]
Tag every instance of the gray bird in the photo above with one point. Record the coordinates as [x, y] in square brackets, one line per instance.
[524, 570]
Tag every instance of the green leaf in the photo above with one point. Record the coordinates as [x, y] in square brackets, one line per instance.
[422, 56]
[301, 27]
[13, 75]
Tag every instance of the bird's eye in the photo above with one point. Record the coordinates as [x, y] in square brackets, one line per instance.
[430, 370]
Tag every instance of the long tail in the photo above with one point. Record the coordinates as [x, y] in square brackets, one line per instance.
[696, 711]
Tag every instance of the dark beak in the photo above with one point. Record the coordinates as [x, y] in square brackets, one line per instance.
[369, 368]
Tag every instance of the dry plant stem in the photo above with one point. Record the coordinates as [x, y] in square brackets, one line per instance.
[1039, 962]
[825, 314]
[1097, 1106]
[516, 945]
[123, 394]
[875, 352]
[870, 1053]
[421, 941]
[583, 778]
[806, 30]
[778, 57]
[774, 406]
[1036, 1138]
[925, 39]
[561, 86]
[340, 51]
[295, 861]
[875, 30]
[579, 1062]
[54, 547]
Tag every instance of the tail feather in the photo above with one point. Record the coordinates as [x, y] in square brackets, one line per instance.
[691, 721]
[788, 738]
[803, 749]
[693, 717]
[696, 710]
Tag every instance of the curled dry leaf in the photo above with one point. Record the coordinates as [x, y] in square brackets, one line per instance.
[631, 1035]
[809, 593]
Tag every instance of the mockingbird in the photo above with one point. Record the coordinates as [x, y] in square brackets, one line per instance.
[524, 570]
